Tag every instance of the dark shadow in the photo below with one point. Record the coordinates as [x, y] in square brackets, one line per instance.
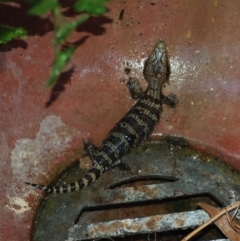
[94, 25]
[68, 4]
[69, 9]
[16, 43]
[16, 16]
[64, 78]
[59, 87]
[78, 42]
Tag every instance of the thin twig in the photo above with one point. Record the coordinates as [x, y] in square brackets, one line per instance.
[211, 220]
[230, 219]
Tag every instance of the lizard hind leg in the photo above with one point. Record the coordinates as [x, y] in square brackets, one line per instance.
[122, 166]
[90, 148]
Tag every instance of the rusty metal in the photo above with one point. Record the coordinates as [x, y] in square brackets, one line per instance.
[124, 227]
[185, 171]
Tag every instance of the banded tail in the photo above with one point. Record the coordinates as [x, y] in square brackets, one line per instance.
[89, 178]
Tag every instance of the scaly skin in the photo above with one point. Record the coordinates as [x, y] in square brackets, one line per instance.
[134, 128]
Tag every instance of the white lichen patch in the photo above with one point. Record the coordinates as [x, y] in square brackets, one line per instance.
[29, 157]
[17, 205]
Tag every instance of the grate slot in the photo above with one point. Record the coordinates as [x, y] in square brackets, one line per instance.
[190, 173]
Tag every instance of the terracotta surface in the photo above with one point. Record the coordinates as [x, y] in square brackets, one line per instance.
[42, 130]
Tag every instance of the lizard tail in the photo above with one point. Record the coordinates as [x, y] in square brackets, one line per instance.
[89, 178]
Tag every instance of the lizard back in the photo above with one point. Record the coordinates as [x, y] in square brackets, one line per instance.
[134, 128]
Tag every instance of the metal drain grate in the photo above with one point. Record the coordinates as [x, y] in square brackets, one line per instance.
[189, 174]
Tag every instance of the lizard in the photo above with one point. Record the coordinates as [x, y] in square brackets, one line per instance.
[134, 128]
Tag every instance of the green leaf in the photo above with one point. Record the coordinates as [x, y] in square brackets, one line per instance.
[95, 7]
[8, 33]
[65, 30]
[61, 59]
[41, 7]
